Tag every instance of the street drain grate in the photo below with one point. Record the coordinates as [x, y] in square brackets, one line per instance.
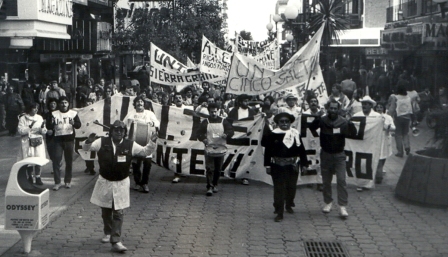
[325, 249]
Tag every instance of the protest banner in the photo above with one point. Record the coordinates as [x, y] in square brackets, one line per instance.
[179, 151]
[166, 70]
[213, 59]
[162, 60]
[247, 76]
[270, 56]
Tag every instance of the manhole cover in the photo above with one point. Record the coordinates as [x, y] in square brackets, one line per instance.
[325, 249]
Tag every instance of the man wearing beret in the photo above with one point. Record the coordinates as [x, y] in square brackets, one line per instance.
[284, 152]
[111, 191]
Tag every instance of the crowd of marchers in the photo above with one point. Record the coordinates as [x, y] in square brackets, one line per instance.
[44, 118]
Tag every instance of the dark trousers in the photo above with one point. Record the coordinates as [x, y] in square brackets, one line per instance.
[12, 121]
[285, 181]
[213, 170]
[141, 178]
[330, 164]
[402, 134]
[63, 148]
[113, 221]
[90, 165]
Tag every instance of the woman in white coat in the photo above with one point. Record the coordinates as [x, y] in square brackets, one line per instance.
[31, 128]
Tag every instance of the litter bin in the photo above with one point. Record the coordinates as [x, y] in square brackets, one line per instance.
[27, 206]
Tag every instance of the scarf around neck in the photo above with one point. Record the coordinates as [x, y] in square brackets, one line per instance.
[290, 135]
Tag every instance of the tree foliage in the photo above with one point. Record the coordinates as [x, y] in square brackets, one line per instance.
[246, 35]
[330, 13]
[176, 27]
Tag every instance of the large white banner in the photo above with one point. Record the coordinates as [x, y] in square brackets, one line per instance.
[179, 151]
[247, 76]
[213, 59]
[161, 60]
[166, 70]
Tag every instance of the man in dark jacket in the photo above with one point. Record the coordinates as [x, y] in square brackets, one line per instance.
[284, 152]
[333, 131]
[242, 110]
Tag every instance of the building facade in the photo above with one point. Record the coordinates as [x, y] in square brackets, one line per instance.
[46, 40]
[416, 38]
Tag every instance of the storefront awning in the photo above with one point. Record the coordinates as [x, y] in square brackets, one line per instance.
[33, 29]
[365, 37]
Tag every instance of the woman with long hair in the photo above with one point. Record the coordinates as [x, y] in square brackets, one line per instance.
[400, 108]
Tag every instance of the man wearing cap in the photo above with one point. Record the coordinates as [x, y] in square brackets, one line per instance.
[367, 105]
[111, 191]
[142, 116]
[283, 148]
[292, 108]
[333, 131]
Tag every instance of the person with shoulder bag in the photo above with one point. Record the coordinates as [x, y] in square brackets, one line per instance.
[32, 128]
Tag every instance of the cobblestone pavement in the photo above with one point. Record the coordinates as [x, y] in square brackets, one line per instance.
[179, 220]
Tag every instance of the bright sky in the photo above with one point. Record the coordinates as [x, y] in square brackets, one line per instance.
[251, 15]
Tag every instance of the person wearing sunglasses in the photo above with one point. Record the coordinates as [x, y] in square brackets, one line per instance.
[111, 191]
[284, 154]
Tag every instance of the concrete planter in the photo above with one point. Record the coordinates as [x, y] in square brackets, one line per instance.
[424, 178]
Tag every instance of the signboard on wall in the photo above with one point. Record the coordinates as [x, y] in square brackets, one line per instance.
[435, 35]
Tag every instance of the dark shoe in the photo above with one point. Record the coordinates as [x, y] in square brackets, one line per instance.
[399, 155]
[289, 210]
[293, 205]
[39, 181]
[320, 187]
[408, 151]
[30, 179]
[378, 180]
[92, 172]
[278, 218]
[87, 170]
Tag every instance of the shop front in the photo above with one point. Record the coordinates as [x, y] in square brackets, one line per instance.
[420, 48]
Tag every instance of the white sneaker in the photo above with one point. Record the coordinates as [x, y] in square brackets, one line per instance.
[176, 180]
[343, 212]
[119, 247]
[327, 208]
[68, 185]
[105, 239]
[57, 186]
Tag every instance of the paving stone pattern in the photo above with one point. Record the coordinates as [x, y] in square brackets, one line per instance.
[179, 220]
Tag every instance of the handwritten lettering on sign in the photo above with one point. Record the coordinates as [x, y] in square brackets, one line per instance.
[213, 59]
[250, 77]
